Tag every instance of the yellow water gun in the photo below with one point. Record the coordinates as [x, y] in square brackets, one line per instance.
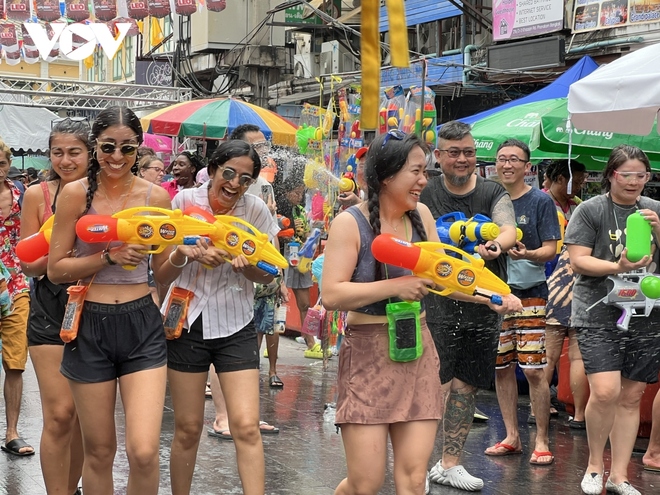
[159, 227]
[428, 260]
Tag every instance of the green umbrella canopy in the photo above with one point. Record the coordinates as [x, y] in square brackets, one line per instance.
[552, 135]
[519, 122]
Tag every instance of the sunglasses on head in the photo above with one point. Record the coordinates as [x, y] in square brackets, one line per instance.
[125, 149]
[244, 180]
[394, 133]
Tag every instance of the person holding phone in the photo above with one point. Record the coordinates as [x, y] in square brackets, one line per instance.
[379, 397]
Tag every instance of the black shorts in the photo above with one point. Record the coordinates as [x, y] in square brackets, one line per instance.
[633, 352]
[47, 303]
[466, 336]
[191, 353]
[115, 340]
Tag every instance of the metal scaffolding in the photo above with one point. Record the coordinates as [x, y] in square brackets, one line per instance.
[57, 94]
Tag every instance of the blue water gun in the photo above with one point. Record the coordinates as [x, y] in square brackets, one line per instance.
[466, 233]
[306, 252]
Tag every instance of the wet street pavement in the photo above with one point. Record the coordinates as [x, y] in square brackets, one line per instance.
[307, 457]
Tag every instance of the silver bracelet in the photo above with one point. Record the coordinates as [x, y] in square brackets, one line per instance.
[175, 265]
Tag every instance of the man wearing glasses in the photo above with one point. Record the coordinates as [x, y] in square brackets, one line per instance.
[522, 338]
[465, 334]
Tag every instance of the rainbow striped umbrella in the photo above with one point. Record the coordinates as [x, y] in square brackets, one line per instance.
[216, 118]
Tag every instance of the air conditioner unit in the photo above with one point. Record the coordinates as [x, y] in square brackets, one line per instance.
[306, 65]
[336, 59]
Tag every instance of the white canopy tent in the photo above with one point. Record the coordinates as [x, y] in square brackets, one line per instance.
[622, 96]
[24, 129]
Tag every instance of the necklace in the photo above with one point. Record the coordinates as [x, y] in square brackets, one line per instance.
[113, 206]
[395, 228]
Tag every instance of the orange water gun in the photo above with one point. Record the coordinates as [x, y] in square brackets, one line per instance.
[37, 245]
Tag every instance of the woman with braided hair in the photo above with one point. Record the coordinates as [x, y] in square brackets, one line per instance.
[379, 397]
[120, 338]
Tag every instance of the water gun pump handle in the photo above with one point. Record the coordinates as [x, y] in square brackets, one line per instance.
[268, 268]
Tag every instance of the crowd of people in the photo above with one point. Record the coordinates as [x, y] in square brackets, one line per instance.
[92, 327]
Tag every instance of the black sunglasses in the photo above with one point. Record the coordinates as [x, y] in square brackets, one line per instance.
[244, 180]
[126, 149]
[394, 133]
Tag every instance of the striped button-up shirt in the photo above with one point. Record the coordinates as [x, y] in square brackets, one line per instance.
[224, 299]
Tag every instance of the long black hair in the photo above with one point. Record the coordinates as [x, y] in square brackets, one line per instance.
[387, 155]
[79, 129]
[107, 118]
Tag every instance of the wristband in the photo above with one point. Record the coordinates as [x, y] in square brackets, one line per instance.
[105, 257]
[185, 262]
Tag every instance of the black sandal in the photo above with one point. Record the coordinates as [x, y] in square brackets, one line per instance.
[275, 382]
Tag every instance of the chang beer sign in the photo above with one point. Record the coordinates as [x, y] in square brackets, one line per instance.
[93, 34]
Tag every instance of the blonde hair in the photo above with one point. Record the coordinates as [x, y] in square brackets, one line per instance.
[6, 150]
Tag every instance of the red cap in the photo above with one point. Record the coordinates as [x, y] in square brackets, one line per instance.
[361, 152]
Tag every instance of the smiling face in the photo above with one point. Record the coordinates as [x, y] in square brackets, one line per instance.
[407, 184]
[225, 193]
[457, 170]
[183, 171]
[511, 165]
[69, 157]
[116, 164]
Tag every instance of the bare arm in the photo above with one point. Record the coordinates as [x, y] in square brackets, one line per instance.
[341, 255]
[62, 267]
[505, 217]
[546, 252]
[585, 264]
[30, 224]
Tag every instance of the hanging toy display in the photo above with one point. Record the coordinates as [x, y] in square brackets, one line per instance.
[420, 115]
[391, 111]
[309, 135]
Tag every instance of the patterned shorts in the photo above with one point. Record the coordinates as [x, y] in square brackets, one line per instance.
[522, 337]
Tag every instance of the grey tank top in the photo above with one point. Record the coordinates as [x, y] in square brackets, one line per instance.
[365, 270]
[113, 274]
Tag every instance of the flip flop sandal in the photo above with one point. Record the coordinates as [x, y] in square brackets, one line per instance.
[538, 454]
[508, 450]
[273, 430]
[222, 435]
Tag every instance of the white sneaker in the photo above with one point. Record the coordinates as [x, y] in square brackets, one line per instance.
[592, 484]
[301, 340]
[624, 488]
[427, 488]
[456, 476]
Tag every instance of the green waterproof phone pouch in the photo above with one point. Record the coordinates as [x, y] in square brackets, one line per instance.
[405, 331]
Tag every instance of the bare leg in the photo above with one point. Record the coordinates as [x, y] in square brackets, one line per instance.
[95, 405]
[241, 391]
[600, 413]
[579, 383]
[412, 444]
[13, 392]
[652, 456]
[554, 342]
[187, 391]
[221, 422]
[143, 397]
[507, 397]
[60, 452]
[366, 454]
[624, 429]
[540, 397]
[273, 344]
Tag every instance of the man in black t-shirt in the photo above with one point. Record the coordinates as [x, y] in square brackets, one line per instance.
[465, 334]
